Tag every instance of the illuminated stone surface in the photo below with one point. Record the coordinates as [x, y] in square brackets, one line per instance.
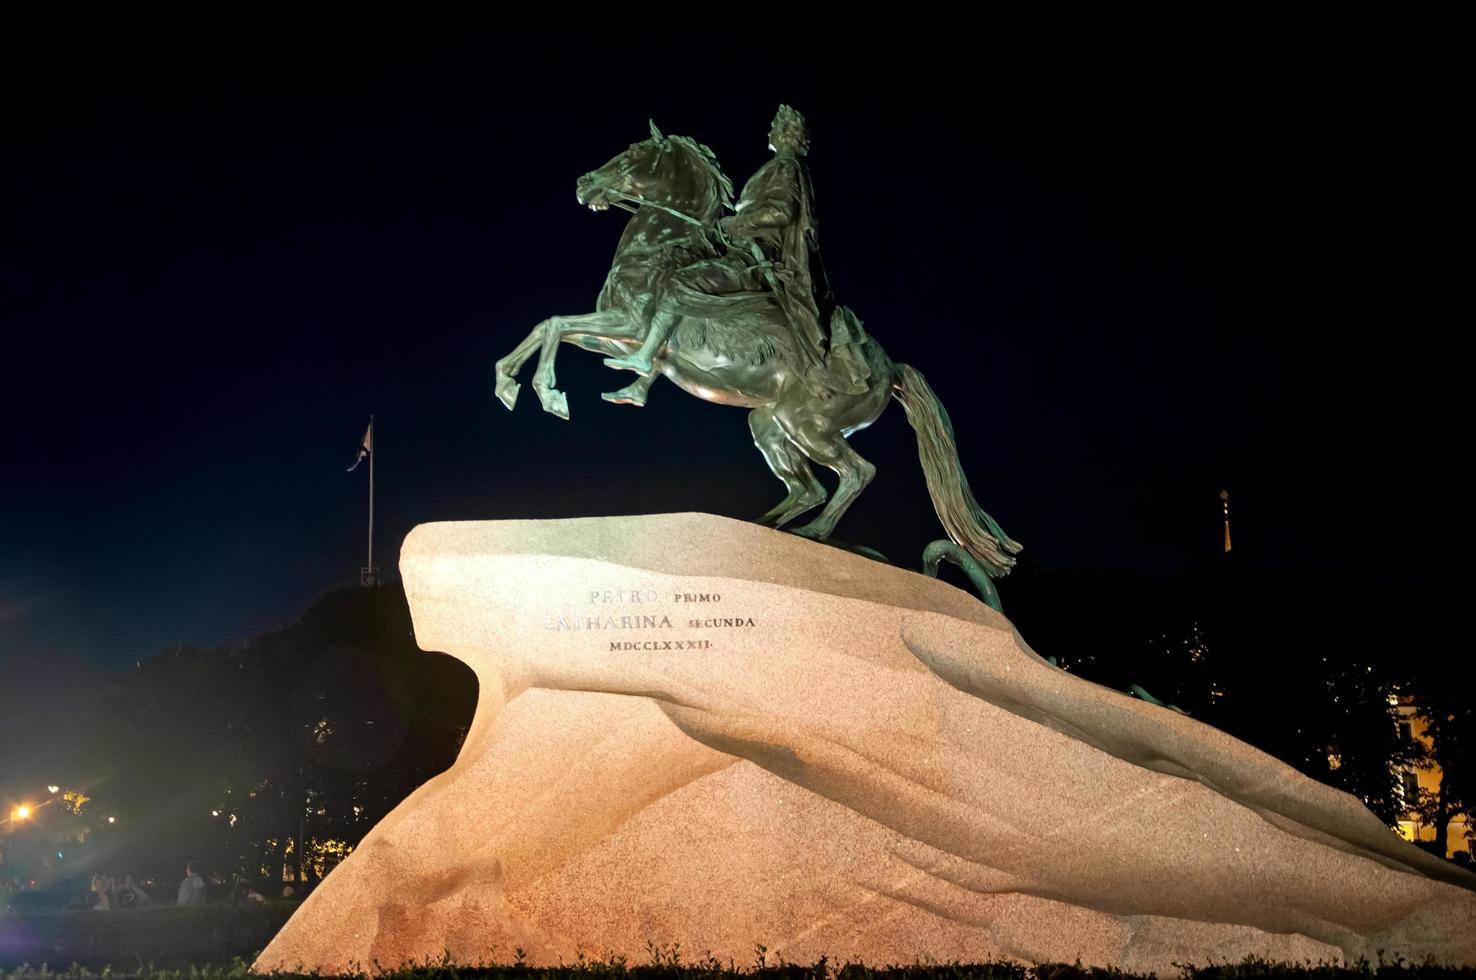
[877, 768]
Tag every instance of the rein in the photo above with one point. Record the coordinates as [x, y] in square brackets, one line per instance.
[642, 202]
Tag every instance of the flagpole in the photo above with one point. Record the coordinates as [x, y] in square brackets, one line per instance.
[370, 578]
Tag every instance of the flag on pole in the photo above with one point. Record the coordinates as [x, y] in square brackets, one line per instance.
[366, 447]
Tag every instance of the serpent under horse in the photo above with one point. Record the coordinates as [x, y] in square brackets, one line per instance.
[730, 344]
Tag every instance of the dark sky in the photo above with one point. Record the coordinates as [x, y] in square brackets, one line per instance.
[1140, 261]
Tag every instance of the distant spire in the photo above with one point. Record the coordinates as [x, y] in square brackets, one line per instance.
[1225, 506]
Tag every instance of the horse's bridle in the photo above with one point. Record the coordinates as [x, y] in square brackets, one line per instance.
[626, 200]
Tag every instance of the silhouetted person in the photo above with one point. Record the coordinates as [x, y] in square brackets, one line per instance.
[192, 889]
[101, 902]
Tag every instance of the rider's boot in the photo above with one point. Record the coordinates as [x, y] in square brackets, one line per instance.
[641, 361]
[631, 394]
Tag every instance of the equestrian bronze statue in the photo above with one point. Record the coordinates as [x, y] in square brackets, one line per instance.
[736, 309]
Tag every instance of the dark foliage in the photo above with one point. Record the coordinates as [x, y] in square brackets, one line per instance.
[1301, 666]
[160, 938]
[666, 964]
[241, 759]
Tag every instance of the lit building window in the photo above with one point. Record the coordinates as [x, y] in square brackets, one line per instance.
[1409, 787]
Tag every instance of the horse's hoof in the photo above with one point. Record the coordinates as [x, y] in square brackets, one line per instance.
[630, 395]
[812, 532]
[782, 515]
[554, 402]
[507, 391]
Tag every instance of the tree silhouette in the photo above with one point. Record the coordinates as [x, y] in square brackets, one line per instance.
[1449, 719]
[278, 754]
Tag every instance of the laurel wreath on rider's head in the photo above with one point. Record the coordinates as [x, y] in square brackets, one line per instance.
[790, 126]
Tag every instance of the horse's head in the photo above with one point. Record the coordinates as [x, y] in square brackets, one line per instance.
[671, 171]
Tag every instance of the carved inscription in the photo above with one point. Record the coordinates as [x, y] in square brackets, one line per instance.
[650, 612]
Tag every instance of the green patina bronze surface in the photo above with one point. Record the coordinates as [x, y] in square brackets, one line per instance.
[939, 551]
[736, 309]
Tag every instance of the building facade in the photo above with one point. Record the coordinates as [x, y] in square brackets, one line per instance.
[1411, 827]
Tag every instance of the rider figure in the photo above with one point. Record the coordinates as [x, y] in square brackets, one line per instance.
[775, 223]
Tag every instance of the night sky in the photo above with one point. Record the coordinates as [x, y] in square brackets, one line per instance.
[1140, 262]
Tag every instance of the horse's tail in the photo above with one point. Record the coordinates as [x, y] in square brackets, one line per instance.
[962, 517]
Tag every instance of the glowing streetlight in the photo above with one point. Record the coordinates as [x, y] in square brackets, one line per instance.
[112, 820]
[53, 790]
[20, 813]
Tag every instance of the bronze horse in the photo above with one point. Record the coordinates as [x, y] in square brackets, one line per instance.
[730, 344]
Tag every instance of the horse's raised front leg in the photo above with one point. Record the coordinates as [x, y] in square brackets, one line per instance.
[508, 367]
[608, 325]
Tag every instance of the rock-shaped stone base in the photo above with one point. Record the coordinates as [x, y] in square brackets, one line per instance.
[698, 731]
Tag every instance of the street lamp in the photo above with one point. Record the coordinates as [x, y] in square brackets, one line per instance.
[20, 813]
